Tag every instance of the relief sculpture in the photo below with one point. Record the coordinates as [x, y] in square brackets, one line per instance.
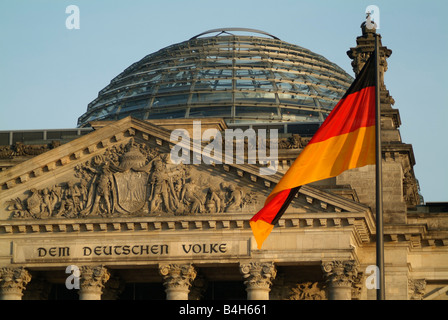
[132, 179]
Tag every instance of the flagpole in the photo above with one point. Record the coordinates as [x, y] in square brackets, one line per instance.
[380, 294]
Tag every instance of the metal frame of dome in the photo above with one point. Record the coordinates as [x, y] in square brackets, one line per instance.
[227, 30]
[243, 79]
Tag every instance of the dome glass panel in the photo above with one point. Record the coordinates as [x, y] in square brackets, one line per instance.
[242, 78]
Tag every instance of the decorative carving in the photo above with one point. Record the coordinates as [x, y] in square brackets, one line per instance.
[357, 286]
[13, 280]
[340, 273]
[290, 288]
[365, 47]
[19, 149]
[93, 278]
[307, 291]
[258, 274]
[416, 288]
[131, 179]
[410, 189]
[292, 142]
[177, 276]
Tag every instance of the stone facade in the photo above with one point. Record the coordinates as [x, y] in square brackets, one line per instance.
[112, 205]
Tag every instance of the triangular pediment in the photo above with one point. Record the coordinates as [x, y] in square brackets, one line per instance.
[124, 169]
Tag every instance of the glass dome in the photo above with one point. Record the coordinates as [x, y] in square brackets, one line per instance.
[244, 79]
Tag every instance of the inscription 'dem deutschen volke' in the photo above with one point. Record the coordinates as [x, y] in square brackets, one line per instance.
[132, 250]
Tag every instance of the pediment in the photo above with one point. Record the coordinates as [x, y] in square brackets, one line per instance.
[124, 169]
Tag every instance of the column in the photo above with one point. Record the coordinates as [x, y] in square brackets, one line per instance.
[340, 276]
[259, 277]
[177, 280]
[92, 281]
[12, 282]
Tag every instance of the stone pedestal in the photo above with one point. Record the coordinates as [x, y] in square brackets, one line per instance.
[12, 283]
[177, 280]
[340, 276]
[92, 282]
[259, 277]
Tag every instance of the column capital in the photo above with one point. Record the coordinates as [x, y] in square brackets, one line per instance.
[258, 274]
[177, 275]
[12, 282]
[92, 281]
[340, 273]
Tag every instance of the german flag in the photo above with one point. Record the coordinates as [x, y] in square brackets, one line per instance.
[345, 140]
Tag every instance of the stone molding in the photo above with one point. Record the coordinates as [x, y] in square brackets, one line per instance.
[416, 236]
[206, 222]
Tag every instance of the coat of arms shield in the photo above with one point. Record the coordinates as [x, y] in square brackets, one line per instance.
[131, 189]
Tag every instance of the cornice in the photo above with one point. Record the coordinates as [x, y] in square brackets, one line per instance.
[417, 236]
[291, 221]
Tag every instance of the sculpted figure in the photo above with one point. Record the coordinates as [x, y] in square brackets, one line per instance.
[46, 197]
[100, 194]
[223, 197]
[162, 188]
[213, 203]
[235, 199]
[103, 190]
[191, 195]
[83, 194]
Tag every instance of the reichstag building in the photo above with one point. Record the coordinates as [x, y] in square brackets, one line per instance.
[101, 211]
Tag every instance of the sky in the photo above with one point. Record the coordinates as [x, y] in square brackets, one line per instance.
[49, 73]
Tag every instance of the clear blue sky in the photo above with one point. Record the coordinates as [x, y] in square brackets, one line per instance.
[48, 74]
